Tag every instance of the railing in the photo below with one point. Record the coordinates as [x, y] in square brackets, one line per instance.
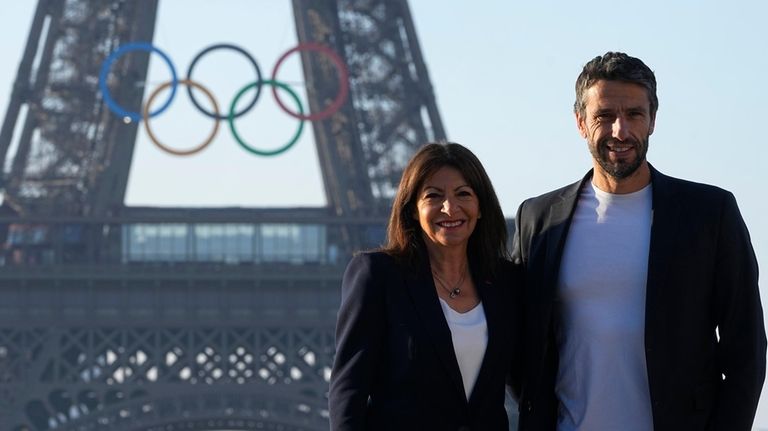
[177, 240]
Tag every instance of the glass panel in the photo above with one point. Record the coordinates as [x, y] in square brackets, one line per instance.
[230, 243]
[292, 243]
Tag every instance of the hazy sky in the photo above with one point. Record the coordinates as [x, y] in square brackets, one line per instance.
[503, 72]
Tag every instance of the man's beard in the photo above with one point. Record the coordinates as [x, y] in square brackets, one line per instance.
[620, 169]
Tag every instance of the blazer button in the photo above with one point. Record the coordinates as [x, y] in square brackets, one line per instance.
[464, 428]
[528, 406]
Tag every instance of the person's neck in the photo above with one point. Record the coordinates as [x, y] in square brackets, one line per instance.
[448, 261]
[635, 182]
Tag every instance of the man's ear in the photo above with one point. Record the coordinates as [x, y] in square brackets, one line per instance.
[652, 126]
[581, 125]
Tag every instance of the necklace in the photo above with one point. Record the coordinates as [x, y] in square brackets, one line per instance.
[456, 290]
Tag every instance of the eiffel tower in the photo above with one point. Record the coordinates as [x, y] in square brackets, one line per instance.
[124, 318]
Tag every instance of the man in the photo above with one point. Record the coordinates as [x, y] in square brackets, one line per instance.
[642, 302]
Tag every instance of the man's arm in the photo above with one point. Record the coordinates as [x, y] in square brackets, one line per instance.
[742, 346]
[517, 247]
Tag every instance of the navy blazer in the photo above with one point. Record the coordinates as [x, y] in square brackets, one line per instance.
[702, 276]
[395, 366]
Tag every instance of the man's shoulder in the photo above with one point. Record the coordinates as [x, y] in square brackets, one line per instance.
[690, 191]
[542, 202]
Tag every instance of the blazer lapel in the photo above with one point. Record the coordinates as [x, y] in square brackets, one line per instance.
[498, 334]
[665, 219]
[543, 288]
[558, 222]
[421, 288]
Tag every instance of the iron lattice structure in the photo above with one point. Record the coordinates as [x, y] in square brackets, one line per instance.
[145, 378]
[132, 319]
[72, 155]
[138, 346]
[393, 109]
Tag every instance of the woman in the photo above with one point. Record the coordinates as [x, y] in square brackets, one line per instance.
[427, 325]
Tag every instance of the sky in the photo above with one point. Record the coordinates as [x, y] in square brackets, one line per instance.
[503, 74]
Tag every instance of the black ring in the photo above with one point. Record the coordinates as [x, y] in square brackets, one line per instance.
[241, 51]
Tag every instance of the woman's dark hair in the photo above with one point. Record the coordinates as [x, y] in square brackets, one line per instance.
[488, 242]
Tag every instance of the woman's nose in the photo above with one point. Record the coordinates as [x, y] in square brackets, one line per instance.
[448, 206]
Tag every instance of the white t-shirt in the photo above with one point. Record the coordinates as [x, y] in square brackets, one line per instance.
[469, 332]
[602, 380]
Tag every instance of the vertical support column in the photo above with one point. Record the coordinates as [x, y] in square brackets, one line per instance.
[392, 104]
[73, 154]
[338, 144]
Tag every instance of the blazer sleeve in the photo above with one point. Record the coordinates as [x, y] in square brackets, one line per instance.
[513, 282]
[742, 346]
[517, 237]
[359, 337]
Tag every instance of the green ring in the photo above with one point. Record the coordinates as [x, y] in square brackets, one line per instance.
[231, 118]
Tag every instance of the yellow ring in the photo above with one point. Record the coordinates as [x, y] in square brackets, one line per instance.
[153, 138]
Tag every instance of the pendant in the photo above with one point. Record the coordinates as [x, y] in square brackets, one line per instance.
[455, 292]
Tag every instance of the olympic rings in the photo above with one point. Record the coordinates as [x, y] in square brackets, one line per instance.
[274, 85]
[207, 140]
[234, 48]
[128, 47]
[331, 109]
[341, 96]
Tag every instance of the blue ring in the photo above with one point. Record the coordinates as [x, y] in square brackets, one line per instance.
[107, 65]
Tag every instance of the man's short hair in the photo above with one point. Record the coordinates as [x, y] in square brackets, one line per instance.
[615, 66]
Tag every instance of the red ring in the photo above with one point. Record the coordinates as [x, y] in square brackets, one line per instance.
[343, 81]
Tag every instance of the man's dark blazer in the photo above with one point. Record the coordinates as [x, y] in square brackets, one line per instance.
[395, 367]
[702, 275]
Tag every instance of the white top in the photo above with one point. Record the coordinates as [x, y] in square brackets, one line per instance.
[469, 332]
[602, 380]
